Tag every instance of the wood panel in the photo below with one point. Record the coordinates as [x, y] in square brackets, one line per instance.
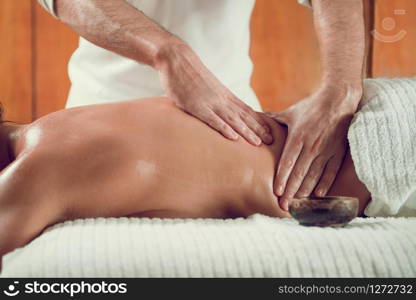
[55, 42]
[285, 53]
[369, 27]
[16, 59]
[395, 39]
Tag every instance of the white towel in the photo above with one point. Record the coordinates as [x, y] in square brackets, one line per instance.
[258, 246]
[382, 138]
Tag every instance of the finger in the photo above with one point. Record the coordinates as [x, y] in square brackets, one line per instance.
[290, 154]
[257, 125]
[213, 120]
[241, 128]
[312, 177]
[248, 110]
[329, 175]
[297, 175]
[284, 203]
[260, 118]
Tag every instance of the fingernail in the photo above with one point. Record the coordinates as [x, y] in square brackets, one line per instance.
[234, 136]
[279, 190]
[286, 206]
[256, 140]
[283, 204]
[302, 194]
[320, 193]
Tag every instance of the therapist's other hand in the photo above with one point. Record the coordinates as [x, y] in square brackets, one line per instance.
[316, 142]
[194, 89]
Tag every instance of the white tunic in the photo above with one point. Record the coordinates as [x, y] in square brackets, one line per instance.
[217, 30]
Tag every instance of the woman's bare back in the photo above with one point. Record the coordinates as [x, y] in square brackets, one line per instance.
[146, 156]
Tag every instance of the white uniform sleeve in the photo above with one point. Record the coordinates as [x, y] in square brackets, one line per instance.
[49, 5]
[306, 2]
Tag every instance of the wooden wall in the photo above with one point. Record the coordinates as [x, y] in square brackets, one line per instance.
[16, 59]
[53, 46]
[284, 51]
[35, 49]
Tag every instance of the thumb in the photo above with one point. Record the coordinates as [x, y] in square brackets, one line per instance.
[279, 117]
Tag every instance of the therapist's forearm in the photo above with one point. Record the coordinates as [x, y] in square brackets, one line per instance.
[340, 28]
[117, 26]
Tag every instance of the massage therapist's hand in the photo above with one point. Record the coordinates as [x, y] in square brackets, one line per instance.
[316, 142]
[198, 92]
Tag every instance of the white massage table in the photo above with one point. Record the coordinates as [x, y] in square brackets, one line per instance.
[258, 246]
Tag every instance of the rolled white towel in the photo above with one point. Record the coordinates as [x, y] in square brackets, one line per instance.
[382, 138]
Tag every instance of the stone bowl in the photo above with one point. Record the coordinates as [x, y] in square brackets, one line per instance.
[324, 211]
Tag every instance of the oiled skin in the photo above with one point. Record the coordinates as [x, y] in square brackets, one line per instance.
[141, 158]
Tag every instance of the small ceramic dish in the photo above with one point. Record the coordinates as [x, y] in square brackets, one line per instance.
[324, 211]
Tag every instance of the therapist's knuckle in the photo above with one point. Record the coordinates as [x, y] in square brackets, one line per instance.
[243, 129]
[295, 140]
[326, 181]
[222, 126]
[262, 131]
[316, 145]
[260, 120]
[211, 120]
[307, 185]
[247, 109]
[298, 174]
[250, 121]
[244, 115]
[227, 117]
[290, 190]
[214, 108]
[211, 123]
[287, 163]
[301, 135]
[253, 115]
[232, 100]
[199, 112]
[312, 175]
[257, 127]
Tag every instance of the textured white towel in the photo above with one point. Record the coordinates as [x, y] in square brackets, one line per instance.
[382, 138]
[259, 246]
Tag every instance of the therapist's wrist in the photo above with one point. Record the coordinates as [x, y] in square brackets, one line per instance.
[340, 93]
[170, 52]
[342, 86]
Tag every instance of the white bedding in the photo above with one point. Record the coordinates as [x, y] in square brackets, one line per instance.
[259, 246]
